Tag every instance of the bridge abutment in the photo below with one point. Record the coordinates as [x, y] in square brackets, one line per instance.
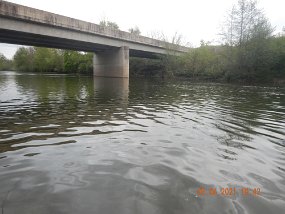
[112, 63]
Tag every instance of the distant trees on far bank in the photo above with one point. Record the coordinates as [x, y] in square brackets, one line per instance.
[249, 52]
[39, 59]
[5, 64]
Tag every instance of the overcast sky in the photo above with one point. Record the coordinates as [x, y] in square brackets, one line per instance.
[194, 19]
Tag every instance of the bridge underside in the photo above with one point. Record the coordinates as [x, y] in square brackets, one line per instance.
[108, 61]
[29, 39]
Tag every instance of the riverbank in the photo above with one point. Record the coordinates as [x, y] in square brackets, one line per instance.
[168, 79]
[255, 62]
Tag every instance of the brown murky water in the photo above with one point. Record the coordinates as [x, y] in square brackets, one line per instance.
[72, 144]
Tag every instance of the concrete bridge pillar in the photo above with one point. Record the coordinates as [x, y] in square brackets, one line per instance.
[112, 63]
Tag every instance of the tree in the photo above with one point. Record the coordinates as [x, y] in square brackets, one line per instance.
[135, 31]
[42, 59]
[204, 61]
[70, 61]
[5, 64]
[48, 60]
[170, 59]
[244, 22]
[156, 35]
[246, 35]
[277, 46]
[108, 24]
[39, 59]
[86, 63]
[24, 59]
[78, 62]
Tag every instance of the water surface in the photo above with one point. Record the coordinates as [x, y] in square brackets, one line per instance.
[73, 144]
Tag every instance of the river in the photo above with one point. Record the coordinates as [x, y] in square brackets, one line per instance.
[78, 144]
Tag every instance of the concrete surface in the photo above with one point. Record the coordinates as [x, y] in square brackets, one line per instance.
[112, 63]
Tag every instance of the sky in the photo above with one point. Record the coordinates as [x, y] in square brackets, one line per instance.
[193, 19]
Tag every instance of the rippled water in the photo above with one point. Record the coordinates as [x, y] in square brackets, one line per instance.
[72, 144]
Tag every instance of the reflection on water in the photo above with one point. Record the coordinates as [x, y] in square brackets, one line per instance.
[71, 144]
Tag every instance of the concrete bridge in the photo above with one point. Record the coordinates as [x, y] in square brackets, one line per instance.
[112, 48]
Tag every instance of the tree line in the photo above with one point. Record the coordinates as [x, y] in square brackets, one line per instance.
[5, 64]
[249, 52]
[38, 59]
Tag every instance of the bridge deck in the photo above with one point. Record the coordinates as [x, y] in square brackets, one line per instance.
[29, 26]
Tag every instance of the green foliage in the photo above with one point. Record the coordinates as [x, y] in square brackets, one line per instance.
[24, 59]
[47, 60]
[52, 60]
[200, 61]
[5, 64]
[76, 62]
[277, 48]
[70, 61]
[145, 67]
[258, 60]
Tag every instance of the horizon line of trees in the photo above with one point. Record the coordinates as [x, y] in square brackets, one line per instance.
[39, 59]
[249, 53]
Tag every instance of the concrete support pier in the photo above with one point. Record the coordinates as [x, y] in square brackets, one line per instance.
[112, 63]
